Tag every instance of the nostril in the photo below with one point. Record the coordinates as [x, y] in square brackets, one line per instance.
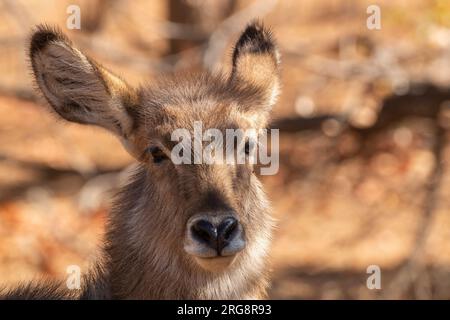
[228, 233]
[227, 228]
[205, 231]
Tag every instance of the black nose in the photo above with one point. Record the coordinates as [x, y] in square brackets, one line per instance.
[226, 237]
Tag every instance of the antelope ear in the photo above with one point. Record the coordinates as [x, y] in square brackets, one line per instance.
[77, 88]
[256, 61]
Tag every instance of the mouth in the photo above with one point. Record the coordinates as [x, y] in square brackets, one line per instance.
[216, 264]
[210, 260]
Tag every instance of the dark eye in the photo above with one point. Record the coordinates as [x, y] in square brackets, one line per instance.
[248, 147]
[157, 154]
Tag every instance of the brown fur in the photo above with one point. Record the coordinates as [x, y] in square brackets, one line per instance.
[143, 256]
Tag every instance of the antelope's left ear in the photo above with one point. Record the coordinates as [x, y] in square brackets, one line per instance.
[256, 60]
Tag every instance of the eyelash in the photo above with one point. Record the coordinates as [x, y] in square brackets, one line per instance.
[157, 154]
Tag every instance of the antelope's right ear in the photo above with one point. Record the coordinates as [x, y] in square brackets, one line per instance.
[79, 89]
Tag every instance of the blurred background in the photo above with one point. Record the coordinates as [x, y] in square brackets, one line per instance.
[364, 122]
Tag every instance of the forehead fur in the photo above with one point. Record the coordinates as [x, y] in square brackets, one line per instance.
[178, 101]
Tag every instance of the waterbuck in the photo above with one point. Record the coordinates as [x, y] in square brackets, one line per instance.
[188, 231]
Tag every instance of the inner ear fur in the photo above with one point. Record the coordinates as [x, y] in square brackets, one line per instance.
[78, 88]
